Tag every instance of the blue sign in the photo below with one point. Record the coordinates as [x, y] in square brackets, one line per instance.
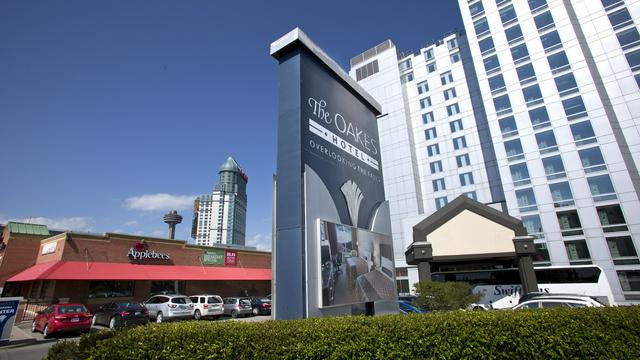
[8, 311]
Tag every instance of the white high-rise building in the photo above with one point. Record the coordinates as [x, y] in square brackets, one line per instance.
[544, 116]
[220, 217]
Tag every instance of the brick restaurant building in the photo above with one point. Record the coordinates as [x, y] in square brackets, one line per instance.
[94, 269]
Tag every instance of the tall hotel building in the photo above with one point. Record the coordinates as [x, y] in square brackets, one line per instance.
[220, 217]
[535, 110]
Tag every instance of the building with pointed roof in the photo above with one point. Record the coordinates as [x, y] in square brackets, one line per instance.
[220, 217]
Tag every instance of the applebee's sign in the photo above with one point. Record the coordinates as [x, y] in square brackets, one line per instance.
[139, 251]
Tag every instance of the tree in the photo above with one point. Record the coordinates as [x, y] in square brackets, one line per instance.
[448, 295]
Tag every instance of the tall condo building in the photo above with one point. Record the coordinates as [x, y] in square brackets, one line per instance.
[536, 110]
[220, 217]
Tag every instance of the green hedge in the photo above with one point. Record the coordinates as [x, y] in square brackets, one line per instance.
[612, 333]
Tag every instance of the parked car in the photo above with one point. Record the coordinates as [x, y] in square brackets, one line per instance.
[169, 307]
[260, 305]
[207, 306]
[122, 313]
[237, 306]
[62, 317]
[543, 295]
[553, 302]
[407, 308]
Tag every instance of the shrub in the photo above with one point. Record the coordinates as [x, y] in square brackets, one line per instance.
[448, 295]
[612, 333]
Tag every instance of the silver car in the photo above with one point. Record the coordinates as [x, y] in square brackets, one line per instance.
[169, 307]
[207, 306]
[237, 306]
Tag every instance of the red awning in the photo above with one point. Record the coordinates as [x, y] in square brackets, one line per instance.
[74, 270]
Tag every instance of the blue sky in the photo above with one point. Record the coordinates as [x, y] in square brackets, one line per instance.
[114, 112]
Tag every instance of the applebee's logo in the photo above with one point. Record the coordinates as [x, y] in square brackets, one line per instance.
[139, 251]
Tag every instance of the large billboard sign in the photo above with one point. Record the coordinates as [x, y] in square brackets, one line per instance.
[329, 178]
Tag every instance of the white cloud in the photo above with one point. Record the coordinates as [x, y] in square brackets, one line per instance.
[79, 223]
[165, 202]
[160, 233]
[131, 223]
[260, 241]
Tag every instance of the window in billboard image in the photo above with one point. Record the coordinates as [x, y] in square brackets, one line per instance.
[356, 265]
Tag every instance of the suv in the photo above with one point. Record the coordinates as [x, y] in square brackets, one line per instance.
[169, 307]
[260, 305]
[237, 306]
[207, 306]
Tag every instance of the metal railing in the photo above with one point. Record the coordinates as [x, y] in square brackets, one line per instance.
[32, 307]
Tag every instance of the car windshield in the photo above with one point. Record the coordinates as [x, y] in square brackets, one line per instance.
[72, 309]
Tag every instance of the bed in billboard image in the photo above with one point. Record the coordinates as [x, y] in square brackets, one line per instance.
[356, 265]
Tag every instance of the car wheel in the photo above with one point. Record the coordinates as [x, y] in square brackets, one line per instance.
[45, 331]
[197, 315]
[114, 323]
[159, 318]
[255, 311]
[234, 314]
[33, 326]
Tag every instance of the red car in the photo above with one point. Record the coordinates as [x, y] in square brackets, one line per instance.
[62, 317]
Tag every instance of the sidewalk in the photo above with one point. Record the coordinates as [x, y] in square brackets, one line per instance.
[20, 335]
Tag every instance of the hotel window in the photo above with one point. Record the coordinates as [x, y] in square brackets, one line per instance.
[496, 84]
[513, 34]
[466, 179]
[491, 64]
[608, 4]
[601, 188]
[611, 218]
[553, 167]
[481, 27]
[539, 118]
[455, 57]
[463, 160]
[471, 195]
[574, 108]
[486, 45]
[633, 58]
[628, 38]
[533, 225]
[404, 65]
[436, 167]
[629, 280]
[450, 94]
[425, 102]
[544, 21]
[519, 53]
[561, 194]
[438, 185]
[551, 41]
[446, 78]
[459, 143]
[520, 174]
[620, 18]
[476, 9]
[558, 62]
[546, 142]
[403, 286]
[537, 4]
[622, 250]
[406, 78]
[441, 202]
[578, 252]
[513, 148]
[430, 133]
[456, 125]
[427, 117]
[423, 87]
[566, 84]
[453, 109]
[541, 257]
[433, 150]
[526, 200]
[583, 133]
[428, 54]
[592, 160]
[502, 104]
[507, 15]
[569, 223]
[526, 73]
[452, 44]
[431, 67]
[532, 95]
[508, 127]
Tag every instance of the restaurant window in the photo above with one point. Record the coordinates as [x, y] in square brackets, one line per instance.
[110, 288]
[167, 287]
